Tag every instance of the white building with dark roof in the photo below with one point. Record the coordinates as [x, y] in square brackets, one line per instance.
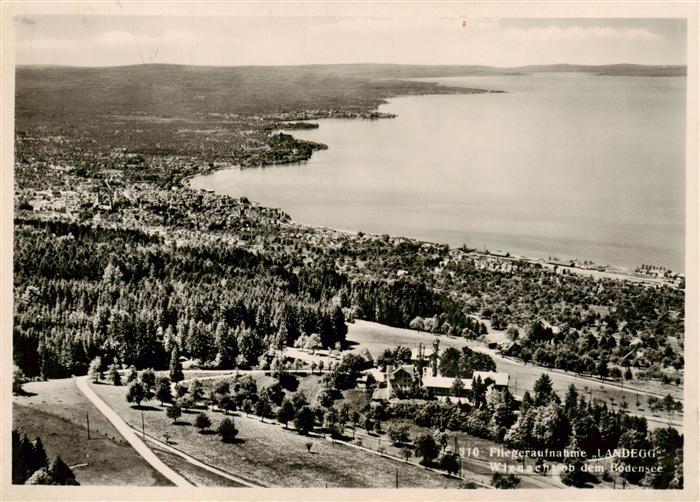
[401, 378]
[442, 386]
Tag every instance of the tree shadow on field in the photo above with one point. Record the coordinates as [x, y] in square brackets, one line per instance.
[144, 408]
[208, 432]
[180, 422]
[24, 393]
[234, 441]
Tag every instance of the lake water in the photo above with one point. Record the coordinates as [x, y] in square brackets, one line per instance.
[566, 165]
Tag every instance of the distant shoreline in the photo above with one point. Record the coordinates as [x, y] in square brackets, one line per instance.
[573, 265]
[542, 257]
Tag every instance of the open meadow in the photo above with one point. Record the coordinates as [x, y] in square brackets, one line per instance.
[266, 453]
[56, 412]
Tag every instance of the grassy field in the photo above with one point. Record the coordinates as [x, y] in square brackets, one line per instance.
[357, 399]
[377, 337]
[192, 473]
[56, 412]
[271, 455]
[477, 468]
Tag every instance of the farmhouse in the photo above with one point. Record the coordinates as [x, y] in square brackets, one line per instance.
[401, 378]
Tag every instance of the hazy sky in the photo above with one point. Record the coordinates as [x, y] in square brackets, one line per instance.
[118, 40]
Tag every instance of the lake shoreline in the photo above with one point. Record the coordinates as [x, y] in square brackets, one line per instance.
[601, 240]
[572, 266]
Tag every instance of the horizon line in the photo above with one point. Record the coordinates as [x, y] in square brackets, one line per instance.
[433, 65]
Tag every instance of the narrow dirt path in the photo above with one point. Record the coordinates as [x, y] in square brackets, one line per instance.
[128, 434]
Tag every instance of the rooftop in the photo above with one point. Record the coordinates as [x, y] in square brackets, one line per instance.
[441, 382]
[408, 368]
[500, 379]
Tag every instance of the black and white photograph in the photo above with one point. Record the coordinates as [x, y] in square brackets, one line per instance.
[254, 247]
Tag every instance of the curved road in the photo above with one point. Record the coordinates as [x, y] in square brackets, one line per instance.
[128, 434]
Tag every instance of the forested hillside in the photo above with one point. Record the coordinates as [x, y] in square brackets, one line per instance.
[115, 257]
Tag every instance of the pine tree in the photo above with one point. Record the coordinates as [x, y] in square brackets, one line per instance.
[176, 374]
[19, 466]
[227, 345]
[174, 412]
[227, 429]
[39, 458]
[163, 390]
[526, 402]
[339, 326]
[478, 392]
[95, 370]
[26, 464]
[148, 379]
[113, 375]
[202, 422]
[571, 401]
[543, 390]
[133, 374]
[457, 388]
[61, 473]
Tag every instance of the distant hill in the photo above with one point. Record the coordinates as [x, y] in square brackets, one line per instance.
[193, 91]
[167, 109]
[426, 71]
[76, 97]
[217, 113]
[630, 70]
[395, 71]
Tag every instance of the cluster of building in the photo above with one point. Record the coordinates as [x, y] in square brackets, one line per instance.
[406, 378]
[69, 202]
[137, 204]
[403, 379]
